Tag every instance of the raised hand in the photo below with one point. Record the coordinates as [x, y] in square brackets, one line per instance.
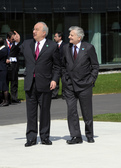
[16, 37]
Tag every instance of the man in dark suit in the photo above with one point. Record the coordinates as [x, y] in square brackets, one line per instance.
[58, 37]
[79, 70]
[3, 74]
[13, 63]
[41, 75]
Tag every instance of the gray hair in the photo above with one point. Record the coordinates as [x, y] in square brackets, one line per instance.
[79, 31]
[45, 28]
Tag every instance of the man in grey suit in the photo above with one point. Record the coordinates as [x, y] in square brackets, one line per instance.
[79, 72]
[42, 72]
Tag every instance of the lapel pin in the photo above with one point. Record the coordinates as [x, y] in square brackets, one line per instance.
[47, 45]
[83, 48]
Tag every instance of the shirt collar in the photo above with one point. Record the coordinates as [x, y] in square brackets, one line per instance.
[60, 42]
[42, 41]
[78, 45]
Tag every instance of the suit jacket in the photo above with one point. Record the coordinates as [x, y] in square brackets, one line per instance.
[14, 52]
[46, 67]
[81, 73]
[3, 57]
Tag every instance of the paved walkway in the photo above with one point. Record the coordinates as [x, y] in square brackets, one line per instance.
[104, 153]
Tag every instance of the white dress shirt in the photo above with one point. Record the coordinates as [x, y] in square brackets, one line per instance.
[42, 42]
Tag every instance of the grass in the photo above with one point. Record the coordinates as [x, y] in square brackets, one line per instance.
[105, 84]
[21, 93]
[108, 83]
[111, 117]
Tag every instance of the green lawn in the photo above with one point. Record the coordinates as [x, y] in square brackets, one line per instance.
[105, 84]
[112, 117]
[108, 83]
[21, 93]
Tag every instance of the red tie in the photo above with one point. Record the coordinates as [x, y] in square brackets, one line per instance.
[75, 52]
[37, 51]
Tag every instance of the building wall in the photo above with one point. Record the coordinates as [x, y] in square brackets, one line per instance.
[101, 21]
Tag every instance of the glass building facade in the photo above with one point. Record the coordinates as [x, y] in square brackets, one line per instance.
[101, 21]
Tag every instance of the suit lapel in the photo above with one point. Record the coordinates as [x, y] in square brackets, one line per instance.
[61, 46]
[44, 48]
[70, 55]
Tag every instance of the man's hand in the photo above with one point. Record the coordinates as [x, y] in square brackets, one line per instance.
[16, 37]
[52, 85]
[7, 61]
